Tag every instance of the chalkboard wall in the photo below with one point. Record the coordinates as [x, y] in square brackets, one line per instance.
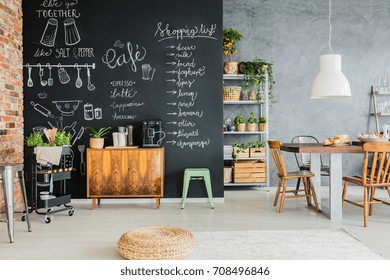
[98, 63]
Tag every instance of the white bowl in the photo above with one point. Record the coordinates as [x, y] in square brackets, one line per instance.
[370, 139]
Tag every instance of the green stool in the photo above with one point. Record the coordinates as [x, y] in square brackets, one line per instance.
[197, 174]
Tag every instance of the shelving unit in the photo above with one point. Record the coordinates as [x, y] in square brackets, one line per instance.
[49, 178]
[262, 109]
[376, 93]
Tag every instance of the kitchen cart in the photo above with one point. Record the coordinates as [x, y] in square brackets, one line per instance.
[47, 184]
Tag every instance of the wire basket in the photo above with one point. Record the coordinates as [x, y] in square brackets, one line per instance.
[231, 92]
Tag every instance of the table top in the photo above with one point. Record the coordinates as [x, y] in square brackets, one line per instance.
[321, 149]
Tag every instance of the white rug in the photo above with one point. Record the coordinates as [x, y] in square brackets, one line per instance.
[280, 245]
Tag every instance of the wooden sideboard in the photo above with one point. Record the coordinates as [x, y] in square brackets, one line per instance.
[125, 172]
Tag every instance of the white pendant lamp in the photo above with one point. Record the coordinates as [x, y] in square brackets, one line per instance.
[330, 82]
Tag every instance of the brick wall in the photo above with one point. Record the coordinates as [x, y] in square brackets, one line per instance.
[11, 86]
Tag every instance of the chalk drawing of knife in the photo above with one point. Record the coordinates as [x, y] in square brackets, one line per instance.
[79, 134]
[41, 109]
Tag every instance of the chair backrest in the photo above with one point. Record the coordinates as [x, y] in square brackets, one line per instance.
[303, 159]
[376, 165]
[277, 156]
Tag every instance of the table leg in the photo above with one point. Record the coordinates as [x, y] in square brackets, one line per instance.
[315, 168]
[336, 188]
[8, 186]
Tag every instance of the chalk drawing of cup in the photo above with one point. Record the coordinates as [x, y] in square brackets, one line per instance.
[50, 33]
[72, 36]
[147, 72]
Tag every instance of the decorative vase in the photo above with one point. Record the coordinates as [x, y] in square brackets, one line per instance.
[96, 143]
[262, 126]
[230, 67]
[251, 127]
[240, 127]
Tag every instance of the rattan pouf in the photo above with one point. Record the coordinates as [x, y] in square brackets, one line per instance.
[156, 243]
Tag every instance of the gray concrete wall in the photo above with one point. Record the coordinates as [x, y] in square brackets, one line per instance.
[293, 34]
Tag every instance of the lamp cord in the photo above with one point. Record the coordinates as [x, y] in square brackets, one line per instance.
[330, 27]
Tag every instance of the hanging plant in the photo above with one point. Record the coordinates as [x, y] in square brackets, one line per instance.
[254, 75]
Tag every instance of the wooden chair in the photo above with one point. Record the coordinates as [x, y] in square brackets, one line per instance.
[375, 174]
[284, 176]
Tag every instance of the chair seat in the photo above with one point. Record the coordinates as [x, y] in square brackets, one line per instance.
[354, 179]
[298, 174]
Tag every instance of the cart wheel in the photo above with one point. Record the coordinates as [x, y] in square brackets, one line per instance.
[49, 210]
[47, 219]
[71, 211]
[23, 218]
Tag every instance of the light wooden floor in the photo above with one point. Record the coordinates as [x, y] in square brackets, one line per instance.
[245, 209]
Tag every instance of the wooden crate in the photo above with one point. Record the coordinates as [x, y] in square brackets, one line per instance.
[249, 172]
[257, 152]
[242, 154]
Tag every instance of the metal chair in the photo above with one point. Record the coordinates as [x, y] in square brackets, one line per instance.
[284, 176]
[303, 159]
[375, 174]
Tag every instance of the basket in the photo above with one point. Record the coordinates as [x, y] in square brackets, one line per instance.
[231, 92]
[156, 243]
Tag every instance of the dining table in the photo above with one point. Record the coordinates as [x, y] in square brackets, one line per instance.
[334, 209]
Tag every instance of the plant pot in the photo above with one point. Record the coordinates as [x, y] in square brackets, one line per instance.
[230, 67]
[262, 126]
[96, 143]
[240, 127]
[251, 127]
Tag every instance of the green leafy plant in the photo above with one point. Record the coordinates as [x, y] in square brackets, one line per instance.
[230, 38]
[62, 138]
[34, 140]
[239, 119]
[256, 144]
[254, 75]
[238, 148]
[262, 120]
[98, 133]
[252, 118]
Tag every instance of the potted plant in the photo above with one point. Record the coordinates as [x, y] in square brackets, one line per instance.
[240, 123]
[97, 137]
[54, 138]
[256, 149]
[262, 123]
[35, 140]
[254, 74]
[230, 39]
[240, 151]
[251, 123]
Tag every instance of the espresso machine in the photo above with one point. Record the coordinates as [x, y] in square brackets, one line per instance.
[152, 134]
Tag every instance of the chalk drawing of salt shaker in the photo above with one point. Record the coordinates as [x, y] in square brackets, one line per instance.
[88, 112]
[72, 36]
[50, 33]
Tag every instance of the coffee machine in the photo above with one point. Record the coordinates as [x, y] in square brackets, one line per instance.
[152, 134]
